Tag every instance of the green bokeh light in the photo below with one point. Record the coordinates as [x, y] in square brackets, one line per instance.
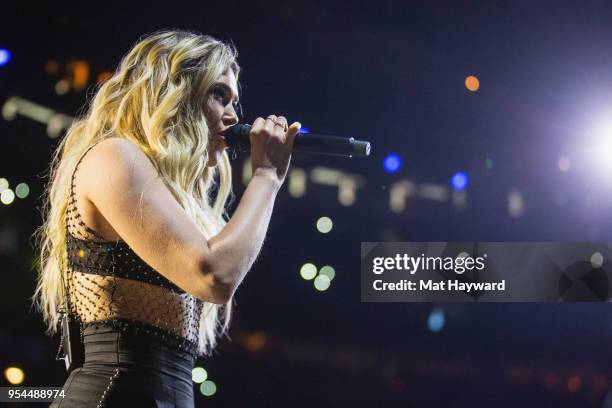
[308, 271]
[199, 375]
[321, 283]
[324, 225]
[208, 388]
[328, 271]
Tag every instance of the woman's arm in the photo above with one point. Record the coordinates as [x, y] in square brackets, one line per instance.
[125, 188]
[235, 248]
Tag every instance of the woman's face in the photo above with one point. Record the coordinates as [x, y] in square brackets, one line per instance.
[221, 113]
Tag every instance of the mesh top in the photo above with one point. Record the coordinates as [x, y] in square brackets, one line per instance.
[108, 284]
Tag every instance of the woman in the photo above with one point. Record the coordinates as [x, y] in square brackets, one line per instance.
[135, 225]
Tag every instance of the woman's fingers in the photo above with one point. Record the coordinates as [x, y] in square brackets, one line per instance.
[257, 126]
[292, 132]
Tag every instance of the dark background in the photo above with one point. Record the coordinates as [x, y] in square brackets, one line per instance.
[392, 73]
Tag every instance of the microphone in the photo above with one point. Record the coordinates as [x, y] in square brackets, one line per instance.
[237, 137]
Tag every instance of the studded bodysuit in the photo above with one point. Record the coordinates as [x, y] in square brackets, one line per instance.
[108, 284]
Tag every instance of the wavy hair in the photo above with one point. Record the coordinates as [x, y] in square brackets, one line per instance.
[156, 99]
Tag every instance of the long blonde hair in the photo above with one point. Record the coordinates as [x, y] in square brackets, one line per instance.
[156, 99]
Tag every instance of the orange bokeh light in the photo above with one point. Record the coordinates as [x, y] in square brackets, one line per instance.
[472, 83]
[104, 76]
[51, 67]
[80, 74]
[256, 341]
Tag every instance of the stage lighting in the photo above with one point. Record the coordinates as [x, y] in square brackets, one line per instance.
[392, 163]
[515, 203]
[7, 196]
[436, 320]
[308, 271]
[324, 225]
[321, 283]
[22, 190]
[459, 181]
[14, 375]
[62, 87]
[598, 148]
[472, 83]
[208, 388]
[597, 260]
[199, 375]
[297, 182]
[328, 271]
[5, 56]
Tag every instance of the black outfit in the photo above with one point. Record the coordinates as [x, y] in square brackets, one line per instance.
[140, 331]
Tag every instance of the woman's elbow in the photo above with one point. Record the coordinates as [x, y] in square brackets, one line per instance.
[214, 287]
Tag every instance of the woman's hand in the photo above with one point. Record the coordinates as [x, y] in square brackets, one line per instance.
[272, 144]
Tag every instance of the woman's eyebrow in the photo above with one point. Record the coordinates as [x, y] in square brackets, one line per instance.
[235, 98]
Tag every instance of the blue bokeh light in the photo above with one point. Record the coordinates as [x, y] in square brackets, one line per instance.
[304, 130]
[459, 180]
[436, 320]
[5, 56]
[392, 163]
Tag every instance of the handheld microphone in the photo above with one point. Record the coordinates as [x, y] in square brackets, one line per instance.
[237, 137]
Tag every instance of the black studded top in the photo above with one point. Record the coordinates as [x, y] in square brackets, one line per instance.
[108, 284]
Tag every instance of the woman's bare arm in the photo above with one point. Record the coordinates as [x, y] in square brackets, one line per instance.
[126, 189]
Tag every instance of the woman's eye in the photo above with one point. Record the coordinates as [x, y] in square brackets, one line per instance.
[219, 93]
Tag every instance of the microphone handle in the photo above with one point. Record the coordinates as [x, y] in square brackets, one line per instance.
[305, 143]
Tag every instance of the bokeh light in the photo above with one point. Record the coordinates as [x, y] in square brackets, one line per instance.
[22, 190]
[104, 76]
[392, 163]
[472, 83]
[51, 67]
[459, 181]
[597, 260]
[308, 271]
[199, 375]
[324, 225]
[208, 388]
[7, 196]
[436, 320]
[255, 341]
[4, 184]
[62, 87]
[328, 271]
[14, 375]
[322, 283]
[5, 56]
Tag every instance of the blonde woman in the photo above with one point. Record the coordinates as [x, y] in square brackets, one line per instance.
[135, 226]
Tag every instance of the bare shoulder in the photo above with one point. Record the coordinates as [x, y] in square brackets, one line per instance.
[116, 160]
[112, 171]
[116, 151]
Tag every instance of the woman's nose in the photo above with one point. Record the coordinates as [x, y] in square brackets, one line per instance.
[231, 117]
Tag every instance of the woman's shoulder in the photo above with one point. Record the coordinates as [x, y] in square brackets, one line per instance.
[115, 147]
[113, 166]
[117, 156]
